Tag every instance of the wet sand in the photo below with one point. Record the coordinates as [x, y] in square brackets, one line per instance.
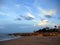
[33, 40]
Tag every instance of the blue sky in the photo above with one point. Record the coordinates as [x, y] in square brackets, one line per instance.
[20, 15]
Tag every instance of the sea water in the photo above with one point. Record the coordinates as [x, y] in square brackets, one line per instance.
[5, 37]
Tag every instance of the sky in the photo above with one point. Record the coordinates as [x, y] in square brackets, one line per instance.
[28, 15]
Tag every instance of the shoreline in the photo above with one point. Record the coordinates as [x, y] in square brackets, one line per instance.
[10, 38]
[33, 40]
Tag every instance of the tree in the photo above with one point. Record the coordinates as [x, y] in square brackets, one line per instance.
[55, 27]
[47, 28]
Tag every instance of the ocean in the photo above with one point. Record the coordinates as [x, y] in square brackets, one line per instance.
[5, 37]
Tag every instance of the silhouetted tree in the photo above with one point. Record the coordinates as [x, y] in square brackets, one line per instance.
[55, 27]
[47, 28]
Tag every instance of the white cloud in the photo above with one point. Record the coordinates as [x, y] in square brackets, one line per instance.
[34, 20]
[28, 8]
[17, 5]
[40, 22]
[51, 12]
[44, 13]
[43, 22]
[4, 14]
[30, 15]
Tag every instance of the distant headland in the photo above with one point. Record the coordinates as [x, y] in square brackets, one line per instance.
[41, 32]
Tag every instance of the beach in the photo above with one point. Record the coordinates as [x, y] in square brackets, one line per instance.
[33, 40]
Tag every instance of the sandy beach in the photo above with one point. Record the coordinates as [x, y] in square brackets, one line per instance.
[33, 40]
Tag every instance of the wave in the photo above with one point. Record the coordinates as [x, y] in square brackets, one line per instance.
[7, 37]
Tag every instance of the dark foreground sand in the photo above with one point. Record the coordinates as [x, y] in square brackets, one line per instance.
[33, 40]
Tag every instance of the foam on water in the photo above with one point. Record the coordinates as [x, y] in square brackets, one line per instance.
[7, 37]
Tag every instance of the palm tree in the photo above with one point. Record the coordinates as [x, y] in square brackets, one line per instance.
[55, 27]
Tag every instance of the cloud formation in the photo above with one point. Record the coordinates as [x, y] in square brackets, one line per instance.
[48, 16]
[28, 16]
[17, 6]
[19, 19]
[28, 8]
[47, 13]
[43, 22]
[3, 14]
